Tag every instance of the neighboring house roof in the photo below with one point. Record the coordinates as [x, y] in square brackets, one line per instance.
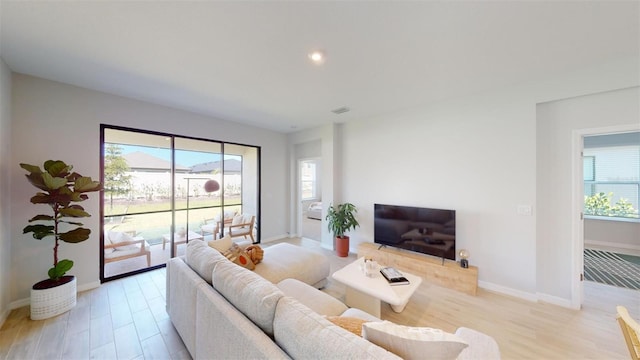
[230, 166]
[139, 161]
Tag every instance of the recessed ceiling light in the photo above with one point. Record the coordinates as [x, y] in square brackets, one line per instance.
[317, 57]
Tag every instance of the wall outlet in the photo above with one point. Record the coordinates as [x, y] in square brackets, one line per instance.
[525, 210]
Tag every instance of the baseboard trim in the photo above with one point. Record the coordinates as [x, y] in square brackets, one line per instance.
[26, 301]
[507, 291]
[19, 303]
[533, 297]
[554, 300]
[275, 238]
[89, 286]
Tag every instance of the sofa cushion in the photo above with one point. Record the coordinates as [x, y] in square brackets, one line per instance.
[413, 342]
[202, 258]
[316, 300]
[357, 313]
[254, 296]
[304, 334]
[223, 332]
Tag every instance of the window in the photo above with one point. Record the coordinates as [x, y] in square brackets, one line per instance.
[156, 182]
[611, 171]
[308, 179]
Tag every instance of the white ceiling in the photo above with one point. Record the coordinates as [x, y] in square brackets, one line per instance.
[247, 61]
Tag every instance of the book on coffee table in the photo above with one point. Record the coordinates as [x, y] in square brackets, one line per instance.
[393, 276]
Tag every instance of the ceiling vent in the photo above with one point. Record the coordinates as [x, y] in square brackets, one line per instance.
[341, 110]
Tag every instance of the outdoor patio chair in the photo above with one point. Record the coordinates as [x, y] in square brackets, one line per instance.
[241, 225]
[213, 226]
[630, 331]
[120, 245]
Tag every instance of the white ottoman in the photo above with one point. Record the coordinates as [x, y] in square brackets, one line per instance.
[283, 261]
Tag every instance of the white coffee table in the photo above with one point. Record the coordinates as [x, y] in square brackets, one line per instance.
[366, 293]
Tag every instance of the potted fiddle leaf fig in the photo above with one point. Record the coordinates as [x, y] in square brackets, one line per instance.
[340, 220]
[60, 189]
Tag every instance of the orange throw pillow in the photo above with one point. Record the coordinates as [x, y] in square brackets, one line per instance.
[255, 253]
[348, 323]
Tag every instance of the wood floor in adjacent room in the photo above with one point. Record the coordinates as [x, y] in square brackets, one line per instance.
[126, 319]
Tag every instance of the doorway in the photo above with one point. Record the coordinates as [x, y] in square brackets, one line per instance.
[611, 172]
[310, 198]
[609, 189]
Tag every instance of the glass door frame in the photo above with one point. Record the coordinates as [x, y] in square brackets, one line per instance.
[173, 209]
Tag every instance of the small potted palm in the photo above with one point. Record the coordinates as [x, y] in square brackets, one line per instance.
[341, 219]
[60, 189]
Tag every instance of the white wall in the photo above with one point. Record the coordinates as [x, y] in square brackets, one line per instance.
[472, 155]
[557, 123]
[5, 191]
[54, 120]
[307, 150]
[476, 155]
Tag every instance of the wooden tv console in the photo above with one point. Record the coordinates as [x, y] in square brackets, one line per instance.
[448, 274]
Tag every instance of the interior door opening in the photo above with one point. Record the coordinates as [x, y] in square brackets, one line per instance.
[310, 198]
[609, 186]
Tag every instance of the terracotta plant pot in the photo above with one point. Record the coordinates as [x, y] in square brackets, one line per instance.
[342, 246]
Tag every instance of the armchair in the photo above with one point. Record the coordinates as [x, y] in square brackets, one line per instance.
[630, 330]
[241, 225]
[213, 225]
[124, 245]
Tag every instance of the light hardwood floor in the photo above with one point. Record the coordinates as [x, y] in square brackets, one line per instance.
[126, 319]
[122, 319]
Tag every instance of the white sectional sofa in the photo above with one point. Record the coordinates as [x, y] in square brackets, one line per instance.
[224, 311]
[241, 315]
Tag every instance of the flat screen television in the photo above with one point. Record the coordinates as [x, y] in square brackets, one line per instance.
[423, 230]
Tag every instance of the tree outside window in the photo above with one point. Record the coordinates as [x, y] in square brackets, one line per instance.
[116, 180]
[611, 169]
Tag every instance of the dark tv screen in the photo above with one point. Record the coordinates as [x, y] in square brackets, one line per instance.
[423, 230]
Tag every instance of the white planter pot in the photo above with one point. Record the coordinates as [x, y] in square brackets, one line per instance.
[46, 303]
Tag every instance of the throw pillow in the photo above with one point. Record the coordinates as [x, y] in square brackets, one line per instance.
[238, 219]
[351, 324]
[221, 245]
[117, 237]
[255, 253]
[238, 256]
[413, 342]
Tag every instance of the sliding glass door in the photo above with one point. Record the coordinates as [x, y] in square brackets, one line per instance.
[162, 191]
